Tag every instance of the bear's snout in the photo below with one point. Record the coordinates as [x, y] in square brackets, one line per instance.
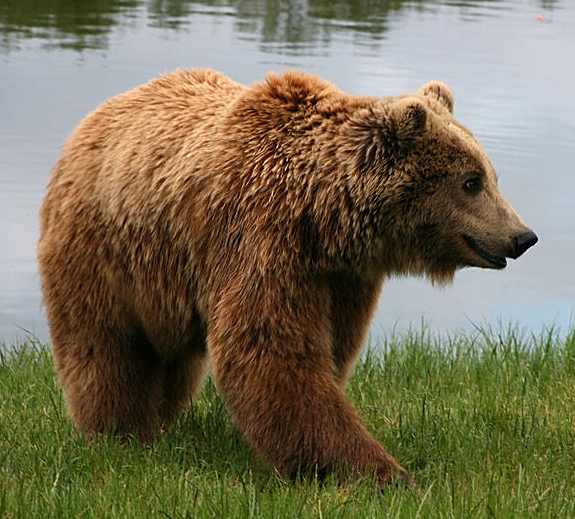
[523, 242]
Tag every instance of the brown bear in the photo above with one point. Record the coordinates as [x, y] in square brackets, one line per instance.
[195, 221]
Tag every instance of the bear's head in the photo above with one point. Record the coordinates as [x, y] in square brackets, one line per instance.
[440, 206]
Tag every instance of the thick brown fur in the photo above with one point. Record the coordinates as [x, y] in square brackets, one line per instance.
[195, 219]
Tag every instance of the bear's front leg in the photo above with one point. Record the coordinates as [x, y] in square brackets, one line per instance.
[272, 359]
[353, 303]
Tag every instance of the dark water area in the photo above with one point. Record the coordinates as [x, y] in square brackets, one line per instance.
[511, 65]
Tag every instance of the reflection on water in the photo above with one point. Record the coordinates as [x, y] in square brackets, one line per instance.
[87, 24]
[510, 64]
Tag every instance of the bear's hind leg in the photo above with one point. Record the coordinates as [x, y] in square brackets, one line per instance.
[182, 379]
[112, 383]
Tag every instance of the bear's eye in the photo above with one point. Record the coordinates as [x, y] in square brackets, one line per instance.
[473, 185]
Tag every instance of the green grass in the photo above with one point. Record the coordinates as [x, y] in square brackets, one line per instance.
[483, 422]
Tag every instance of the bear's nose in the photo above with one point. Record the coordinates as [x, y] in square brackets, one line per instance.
[523, 242]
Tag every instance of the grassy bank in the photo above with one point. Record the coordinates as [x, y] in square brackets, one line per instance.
[484, 423]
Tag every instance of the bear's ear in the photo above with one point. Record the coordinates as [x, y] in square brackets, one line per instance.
[409, 118]
[439, 92]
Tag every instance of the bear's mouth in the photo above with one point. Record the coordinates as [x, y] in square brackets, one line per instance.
[497, 262]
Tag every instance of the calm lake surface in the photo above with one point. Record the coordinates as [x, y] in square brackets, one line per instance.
[511, 65]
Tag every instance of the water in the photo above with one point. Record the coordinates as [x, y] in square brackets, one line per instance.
[513, 76]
